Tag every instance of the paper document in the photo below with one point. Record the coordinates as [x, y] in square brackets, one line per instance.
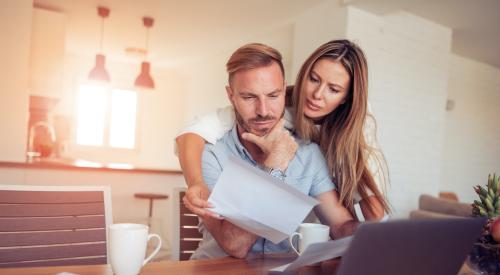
[317, 252]
[257, 202]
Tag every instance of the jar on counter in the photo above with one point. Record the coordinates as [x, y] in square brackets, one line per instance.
[42, 139]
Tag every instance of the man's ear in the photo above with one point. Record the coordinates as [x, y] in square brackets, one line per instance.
[230, 93]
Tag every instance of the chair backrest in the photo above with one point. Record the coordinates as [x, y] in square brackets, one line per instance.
[53, 225]
[185, 229]
[190, 237]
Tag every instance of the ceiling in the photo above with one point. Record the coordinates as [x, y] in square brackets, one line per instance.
[182, 31]
[475, 23]
[188, 29]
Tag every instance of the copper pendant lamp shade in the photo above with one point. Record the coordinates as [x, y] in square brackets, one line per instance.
[99, 73]
[144, 80]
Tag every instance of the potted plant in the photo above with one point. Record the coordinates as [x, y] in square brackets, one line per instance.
[485, 254]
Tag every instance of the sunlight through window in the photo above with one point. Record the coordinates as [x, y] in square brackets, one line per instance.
[106, 118]
[123, 115]
[91, 107]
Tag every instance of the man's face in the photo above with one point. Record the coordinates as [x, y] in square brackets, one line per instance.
[258, 98]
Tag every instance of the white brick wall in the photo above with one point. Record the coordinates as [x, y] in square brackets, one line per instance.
[408, 62]
[472, 145]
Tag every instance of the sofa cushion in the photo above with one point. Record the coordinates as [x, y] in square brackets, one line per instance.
[444, 206]
[423, 214]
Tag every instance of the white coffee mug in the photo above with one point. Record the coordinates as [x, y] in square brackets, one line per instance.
[310, 233]
[127, 247]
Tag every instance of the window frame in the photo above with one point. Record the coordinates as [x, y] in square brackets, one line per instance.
[104, 152]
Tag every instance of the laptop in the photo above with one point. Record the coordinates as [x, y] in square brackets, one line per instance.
[420, 247]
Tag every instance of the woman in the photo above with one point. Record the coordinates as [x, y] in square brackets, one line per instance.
[329, 107]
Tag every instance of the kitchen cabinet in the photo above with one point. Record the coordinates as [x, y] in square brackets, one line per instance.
[47, 53]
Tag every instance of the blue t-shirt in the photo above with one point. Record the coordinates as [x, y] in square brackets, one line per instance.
[307, 172]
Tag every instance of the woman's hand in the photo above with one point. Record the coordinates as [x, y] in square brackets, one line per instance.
[278, 146]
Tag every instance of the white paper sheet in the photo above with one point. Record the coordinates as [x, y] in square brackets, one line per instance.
[317, 252]
[258, 202]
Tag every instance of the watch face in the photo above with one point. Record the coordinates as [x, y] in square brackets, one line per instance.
[277, 173]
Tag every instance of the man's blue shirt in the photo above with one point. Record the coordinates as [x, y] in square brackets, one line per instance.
[307, 172]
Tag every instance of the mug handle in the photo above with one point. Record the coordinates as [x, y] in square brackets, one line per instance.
[291, 241]
[158, 246]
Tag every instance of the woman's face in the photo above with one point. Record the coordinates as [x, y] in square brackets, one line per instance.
[326, 87]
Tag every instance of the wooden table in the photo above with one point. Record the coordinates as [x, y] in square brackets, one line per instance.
[251, 265]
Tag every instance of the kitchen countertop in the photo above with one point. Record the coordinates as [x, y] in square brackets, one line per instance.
[77, 164]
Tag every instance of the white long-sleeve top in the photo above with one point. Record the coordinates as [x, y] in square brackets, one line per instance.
[214, 125]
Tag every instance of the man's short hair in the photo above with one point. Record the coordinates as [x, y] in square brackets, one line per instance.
[251, 56]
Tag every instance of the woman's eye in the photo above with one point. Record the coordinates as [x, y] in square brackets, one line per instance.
[313, 79]
[332, 90]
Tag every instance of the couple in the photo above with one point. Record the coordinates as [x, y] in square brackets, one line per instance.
[329, 108]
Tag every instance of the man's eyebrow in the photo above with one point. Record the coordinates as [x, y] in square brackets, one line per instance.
[275, 91]
[247, 94]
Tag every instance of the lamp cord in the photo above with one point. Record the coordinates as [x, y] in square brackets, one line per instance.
[147, 42]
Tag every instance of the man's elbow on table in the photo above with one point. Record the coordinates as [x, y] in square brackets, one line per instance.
[235, 241]
[237, 250]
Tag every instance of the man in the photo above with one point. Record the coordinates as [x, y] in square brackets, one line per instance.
[257, 92]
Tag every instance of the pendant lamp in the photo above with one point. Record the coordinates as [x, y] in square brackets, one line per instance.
[99, 73]
[144, 80]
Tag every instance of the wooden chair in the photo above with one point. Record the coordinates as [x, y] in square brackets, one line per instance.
[53, 225]
[186, 229]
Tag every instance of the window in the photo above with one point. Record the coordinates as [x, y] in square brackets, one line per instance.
[106, 118]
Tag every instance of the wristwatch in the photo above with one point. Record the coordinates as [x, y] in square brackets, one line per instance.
[277, 173]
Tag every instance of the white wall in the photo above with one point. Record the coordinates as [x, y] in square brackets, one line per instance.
[15, 30]
[47, 52]
[408, 73]
[159, 111]
[472, 144]
[314, 27]
[412, 73]
[35, 69]
[408, 61]
[181, 93]
[207, 78]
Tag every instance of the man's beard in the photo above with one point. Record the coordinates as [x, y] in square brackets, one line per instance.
[246, 125]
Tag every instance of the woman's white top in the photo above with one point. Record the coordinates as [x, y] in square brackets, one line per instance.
[214, 125]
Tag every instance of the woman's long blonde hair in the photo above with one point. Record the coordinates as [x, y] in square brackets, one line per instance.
[340, 135]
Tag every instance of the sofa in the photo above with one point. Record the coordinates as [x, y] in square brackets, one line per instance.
[434, 207]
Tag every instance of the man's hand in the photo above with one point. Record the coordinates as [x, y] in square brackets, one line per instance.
[278, 146]
[195, 200]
